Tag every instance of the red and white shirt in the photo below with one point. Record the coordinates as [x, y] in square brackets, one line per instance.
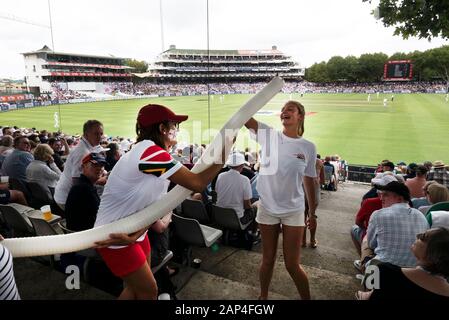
[138, 179]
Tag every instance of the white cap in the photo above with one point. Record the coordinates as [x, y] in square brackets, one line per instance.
[384, 178]
[236, 159]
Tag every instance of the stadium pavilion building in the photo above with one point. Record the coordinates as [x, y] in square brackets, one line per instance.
[202, 66]
[78, 72]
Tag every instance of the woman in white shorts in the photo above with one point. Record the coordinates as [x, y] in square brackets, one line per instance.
[287, 161]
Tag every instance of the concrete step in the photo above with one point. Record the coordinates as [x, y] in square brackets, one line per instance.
[242, 266]
[200, 285]
[36, 281]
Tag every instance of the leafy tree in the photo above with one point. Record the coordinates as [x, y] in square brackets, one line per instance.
[371, 67]
[422, 18]
[438, 61]
[317, 73]
[337, 69]
[139, 66]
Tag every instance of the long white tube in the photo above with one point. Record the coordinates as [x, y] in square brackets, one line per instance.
[48, 245]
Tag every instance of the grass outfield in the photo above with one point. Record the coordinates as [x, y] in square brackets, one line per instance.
[414, 127]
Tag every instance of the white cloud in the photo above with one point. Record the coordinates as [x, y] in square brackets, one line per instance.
[310, 31]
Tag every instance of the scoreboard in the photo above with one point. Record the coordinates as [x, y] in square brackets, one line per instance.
[399, 70]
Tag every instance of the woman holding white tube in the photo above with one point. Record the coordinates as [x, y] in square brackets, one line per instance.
[288, 161]
[138, 179]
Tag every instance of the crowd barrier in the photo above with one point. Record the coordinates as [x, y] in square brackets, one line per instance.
[34, 103]
[361, 173]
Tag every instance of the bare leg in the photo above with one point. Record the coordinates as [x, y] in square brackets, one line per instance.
[356, 244]
[141, 283]
[292, 252]
[270, 236]
[127, 294]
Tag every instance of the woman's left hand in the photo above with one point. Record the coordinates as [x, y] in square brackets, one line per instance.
[120, 239]
[311, 223]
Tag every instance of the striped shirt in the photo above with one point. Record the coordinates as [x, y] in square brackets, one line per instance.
[392, 231]
[8, 289]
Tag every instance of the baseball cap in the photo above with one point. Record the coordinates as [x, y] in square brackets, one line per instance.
[236, 159]
[154, 113]
[383, 179]
[94, 158]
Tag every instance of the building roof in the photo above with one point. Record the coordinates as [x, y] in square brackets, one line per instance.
[46, 49]
[222, 52]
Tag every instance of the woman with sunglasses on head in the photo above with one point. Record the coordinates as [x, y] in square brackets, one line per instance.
[288, 161]
[427, 281]
[138, 179]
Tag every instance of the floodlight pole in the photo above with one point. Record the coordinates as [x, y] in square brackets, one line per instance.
[208, 67]
[51, 27]
[162, 25]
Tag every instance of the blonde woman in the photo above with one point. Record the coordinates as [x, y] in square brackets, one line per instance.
[287, 162]
[43, 169]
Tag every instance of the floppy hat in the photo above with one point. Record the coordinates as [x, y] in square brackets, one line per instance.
[154, 113]
[438, 164]
[383, 179]
[398, 188]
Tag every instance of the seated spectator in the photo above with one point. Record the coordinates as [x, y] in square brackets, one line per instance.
[11, 196]
[112, 156]
[82, 202]
[16, 163]
[392, 229]
[234, 190]
[382, 177]
[387, 165]
[435, 193]
[5, 148]
[8, 288]
[56, 144]
[43, 169]
[426, 281]
[439, 173]
[330, 174]
[422, 201]
[369, 205]
[411, 171]
[416, 184]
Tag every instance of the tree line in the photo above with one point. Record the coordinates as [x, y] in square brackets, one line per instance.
[432, 64]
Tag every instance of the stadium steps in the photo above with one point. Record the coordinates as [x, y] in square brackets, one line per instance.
[329, 266]
[36, 281]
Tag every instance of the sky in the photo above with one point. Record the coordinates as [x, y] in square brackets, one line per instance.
[307, 30]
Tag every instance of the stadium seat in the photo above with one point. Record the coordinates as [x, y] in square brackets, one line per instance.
[195, 209]
[191, 232]
[440, 206]
[43, 228]
[18, 225]
[227, 220]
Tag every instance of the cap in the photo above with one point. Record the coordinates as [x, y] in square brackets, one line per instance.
[94, 158]
[236, 159]
[383, 179]
[154, 113]
[398, 188]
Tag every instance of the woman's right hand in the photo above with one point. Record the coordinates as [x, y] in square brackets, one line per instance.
[120, 239]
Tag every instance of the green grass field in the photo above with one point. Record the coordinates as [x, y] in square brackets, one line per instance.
[415, 127]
